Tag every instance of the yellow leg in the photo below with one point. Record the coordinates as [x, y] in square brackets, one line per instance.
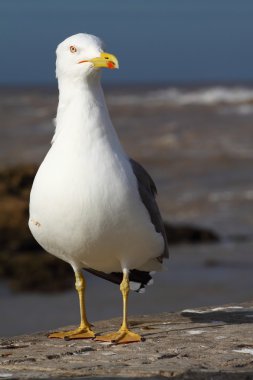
[124, 335]
[84, 331]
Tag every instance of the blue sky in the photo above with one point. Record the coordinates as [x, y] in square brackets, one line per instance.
[156, 41]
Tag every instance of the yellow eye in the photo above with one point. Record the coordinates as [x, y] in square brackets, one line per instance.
[73, 49]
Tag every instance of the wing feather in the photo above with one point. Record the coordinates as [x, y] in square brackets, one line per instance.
[147, 190]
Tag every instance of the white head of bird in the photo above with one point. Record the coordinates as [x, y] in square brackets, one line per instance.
[81, 57]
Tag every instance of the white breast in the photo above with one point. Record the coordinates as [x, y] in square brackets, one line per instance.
[85, 207]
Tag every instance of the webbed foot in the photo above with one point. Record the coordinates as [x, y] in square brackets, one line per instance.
[79, 333]
[123, 336]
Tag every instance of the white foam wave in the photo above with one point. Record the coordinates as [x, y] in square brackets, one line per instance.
[241, 109]
[181, 97]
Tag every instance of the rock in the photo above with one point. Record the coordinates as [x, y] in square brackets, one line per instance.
[15, 185]
[178, 234]
[208, 343]
[35, 271]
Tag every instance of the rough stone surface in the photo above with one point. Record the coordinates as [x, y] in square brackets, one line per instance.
[206, 343]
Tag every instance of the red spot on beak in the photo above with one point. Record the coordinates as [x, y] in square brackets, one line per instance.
[110, 65]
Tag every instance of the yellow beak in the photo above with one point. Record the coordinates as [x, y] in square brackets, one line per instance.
[105, 60]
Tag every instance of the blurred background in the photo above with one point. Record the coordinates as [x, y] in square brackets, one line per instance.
[182, 104]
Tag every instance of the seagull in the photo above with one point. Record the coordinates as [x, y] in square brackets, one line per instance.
[90, 204]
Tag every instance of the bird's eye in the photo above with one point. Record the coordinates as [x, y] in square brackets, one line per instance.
[73, 49]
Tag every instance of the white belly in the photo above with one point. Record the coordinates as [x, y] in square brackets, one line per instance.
[89, 213]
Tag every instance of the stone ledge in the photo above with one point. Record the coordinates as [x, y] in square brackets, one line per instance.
[205, 343]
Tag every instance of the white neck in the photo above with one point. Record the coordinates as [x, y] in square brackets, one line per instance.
[82, 115]
[72, 88]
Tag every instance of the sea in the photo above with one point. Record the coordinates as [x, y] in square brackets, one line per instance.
[196, 142]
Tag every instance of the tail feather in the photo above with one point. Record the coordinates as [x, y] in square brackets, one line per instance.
[138, 279]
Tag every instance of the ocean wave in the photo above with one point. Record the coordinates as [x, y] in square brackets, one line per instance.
[173, 96]
[239, 109]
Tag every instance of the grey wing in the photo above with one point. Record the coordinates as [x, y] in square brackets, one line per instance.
[147, 190]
